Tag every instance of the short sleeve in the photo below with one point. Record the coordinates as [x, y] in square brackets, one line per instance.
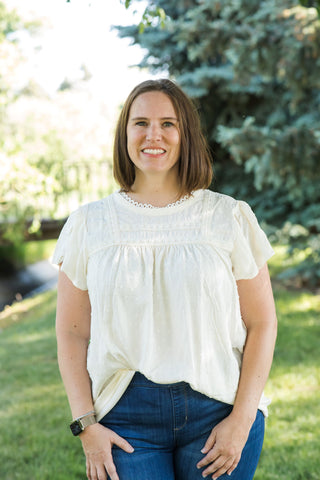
[251, 248]
[71, 249]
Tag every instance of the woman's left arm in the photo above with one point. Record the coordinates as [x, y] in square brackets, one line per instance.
[226, 441]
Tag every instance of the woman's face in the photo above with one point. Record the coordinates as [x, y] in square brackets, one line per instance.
[153, 134]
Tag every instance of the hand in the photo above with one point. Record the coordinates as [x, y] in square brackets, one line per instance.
[224, 447]
[97, 442]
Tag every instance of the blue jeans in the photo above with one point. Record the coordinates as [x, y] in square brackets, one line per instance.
[168, 425]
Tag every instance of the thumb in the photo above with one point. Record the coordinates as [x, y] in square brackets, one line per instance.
[122, 443]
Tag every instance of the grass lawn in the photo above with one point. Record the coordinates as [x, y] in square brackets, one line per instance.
[35, 441]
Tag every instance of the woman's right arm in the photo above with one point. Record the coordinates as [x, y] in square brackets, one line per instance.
[73, 334]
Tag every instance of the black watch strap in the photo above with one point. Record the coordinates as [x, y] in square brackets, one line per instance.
[79, 424]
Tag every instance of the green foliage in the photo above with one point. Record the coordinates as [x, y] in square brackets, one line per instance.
[311, 4]
[50, 146]
[9, 21]
[152, 16]
[25, 185]
[15, 256]
[254, 68]
[22, 184]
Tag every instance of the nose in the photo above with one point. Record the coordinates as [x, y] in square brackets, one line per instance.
[154, 132]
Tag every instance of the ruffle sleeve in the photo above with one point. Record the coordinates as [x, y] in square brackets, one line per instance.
[71, 249]
[251, 248]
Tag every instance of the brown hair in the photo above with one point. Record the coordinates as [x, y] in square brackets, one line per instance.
[195, 164]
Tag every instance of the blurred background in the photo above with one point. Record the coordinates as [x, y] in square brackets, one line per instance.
[64, 73]
[253, 70]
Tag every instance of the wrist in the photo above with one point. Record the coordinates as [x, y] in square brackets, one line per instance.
[88, 414]
[244, 417]
[86, 433]
[79, 424]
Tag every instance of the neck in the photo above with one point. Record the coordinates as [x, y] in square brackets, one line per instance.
[154, 190]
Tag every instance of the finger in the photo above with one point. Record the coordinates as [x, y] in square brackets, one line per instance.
[222, 470]
[122, 443]
[217, 467]
[208, 459]
[210, 442]
[101, 472]
[91, 471]
[233, 466]
[218, 473]
[87, 469]
[212, 455]
[111, 470]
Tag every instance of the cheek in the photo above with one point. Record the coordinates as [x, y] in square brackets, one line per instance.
[133, 139]
[177, 142]
[176, 138]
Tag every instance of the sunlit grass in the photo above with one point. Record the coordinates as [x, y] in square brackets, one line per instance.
[35, 441]
[292, 442]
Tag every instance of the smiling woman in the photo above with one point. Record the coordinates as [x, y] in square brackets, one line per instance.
[165, 318]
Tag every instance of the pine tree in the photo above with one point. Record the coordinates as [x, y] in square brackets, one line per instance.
[254, 68]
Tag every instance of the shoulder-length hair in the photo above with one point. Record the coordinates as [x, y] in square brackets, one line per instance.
[195, 162]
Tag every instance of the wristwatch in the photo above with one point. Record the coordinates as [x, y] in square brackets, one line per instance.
[79, 424]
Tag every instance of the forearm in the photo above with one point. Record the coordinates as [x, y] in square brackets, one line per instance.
[229, 437]
[72, 358]
[256, 364]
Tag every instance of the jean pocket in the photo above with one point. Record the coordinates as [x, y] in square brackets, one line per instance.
[139, 405]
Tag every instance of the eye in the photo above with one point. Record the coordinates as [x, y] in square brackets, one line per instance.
[167, 124]
[141, 123]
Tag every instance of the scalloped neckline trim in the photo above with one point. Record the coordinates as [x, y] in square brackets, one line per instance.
[149, 205]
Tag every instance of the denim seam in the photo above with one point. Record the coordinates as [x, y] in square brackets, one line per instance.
[178, 428]
[173, 415]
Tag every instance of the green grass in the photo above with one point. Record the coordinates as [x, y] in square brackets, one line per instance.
[35, 442]
[292, 441]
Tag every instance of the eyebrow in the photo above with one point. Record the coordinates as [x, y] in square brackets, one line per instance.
[146, 118]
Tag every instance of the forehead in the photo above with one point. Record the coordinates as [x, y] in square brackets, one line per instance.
[150, 104]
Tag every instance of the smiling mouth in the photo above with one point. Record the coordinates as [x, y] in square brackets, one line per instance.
[153, 151]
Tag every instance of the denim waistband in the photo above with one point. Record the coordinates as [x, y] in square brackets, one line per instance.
[140, 379]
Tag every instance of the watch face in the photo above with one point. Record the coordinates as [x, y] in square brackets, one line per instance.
[76, 427]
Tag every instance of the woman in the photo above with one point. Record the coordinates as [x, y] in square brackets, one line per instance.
[165, 317]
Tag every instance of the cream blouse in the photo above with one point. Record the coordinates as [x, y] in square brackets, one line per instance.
[162, 287]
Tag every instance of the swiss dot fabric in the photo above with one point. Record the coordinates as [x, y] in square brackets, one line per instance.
[162, 286]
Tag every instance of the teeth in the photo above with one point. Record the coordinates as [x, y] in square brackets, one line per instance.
[153, 151]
